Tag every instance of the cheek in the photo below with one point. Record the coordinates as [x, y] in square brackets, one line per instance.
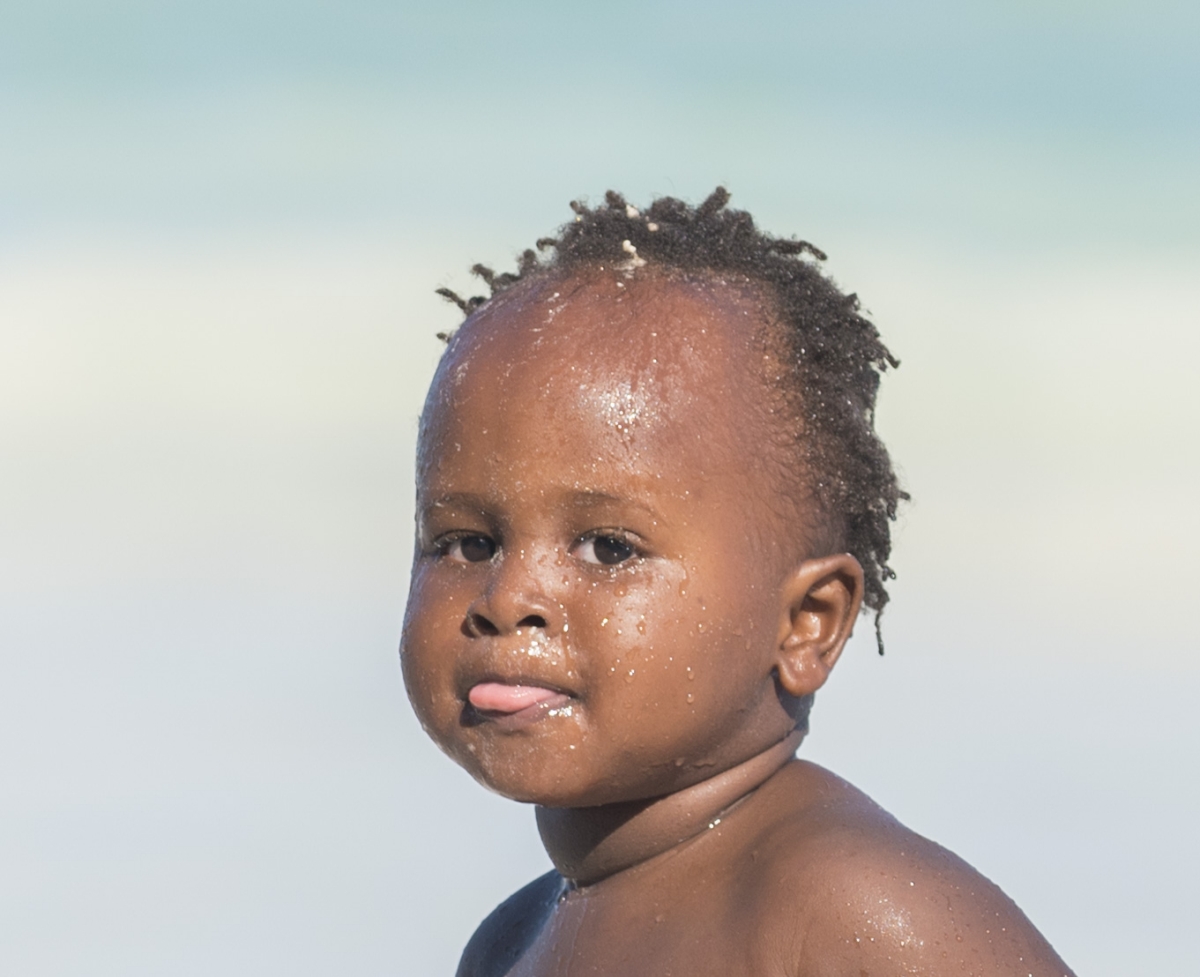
[633, 627]
[432, 623]
[665, 644]
[710, 644]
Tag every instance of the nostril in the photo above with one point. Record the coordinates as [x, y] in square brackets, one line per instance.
[475, 625]
[532, 621]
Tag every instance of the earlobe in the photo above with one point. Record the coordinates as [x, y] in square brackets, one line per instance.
[819, 602]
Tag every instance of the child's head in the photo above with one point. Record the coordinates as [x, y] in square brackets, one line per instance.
[642, 466]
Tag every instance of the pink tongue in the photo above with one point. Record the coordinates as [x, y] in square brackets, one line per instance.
[498, 697]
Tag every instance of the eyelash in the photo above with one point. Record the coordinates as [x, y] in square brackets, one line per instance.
[444, 545]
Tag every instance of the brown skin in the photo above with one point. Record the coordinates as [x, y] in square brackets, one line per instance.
[597, 515]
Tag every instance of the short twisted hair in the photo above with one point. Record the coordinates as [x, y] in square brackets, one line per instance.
[835, 356]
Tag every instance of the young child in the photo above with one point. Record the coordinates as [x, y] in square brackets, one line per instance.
[650, 505]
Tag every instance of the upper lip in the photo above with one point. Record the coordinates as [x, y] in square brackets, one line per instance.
[497, 660]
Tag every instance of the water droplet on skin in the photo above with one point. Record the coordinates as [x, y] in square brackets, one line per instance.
[629, 677]
[690, 674]
[604, 622]
[641, 626]
[690, 697]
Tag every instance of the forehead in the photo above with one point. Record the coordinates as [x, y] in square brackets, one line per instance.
[640, 365]
[649, 323]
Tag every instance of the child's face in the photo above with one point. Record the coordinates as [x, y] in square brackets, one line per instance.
[596, 523]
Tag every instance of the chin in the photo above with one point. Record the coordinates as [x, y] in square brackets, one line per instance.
[540, 787]
[521, 791]
[543, 784]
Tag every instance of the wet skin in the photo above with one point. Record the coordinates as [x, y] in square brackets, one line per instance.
[614, 616]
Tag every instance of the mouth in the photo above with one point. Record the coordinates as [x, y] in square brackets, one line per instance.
[514, 705]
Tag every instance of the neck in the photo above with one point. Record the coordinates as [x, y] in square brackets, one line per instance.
[587, 844]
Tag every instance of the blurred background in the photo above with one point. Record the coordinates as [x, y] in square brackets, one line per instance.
[221, 224]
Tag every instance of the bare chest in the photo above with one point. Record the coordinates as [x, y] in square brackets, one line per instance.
[687, 927]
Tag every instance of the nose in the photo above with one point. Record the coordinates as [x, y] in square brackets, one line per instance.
[514, 598]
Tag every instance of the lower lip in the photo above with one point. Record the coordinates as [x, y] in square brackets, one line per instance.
[514, 705]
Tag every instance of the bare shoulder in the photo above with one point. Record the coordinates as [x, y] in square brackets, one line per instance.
[865, 895]
[509, 929]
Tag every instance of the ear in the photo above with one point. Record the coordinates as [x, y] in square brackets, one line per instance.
[820, 600]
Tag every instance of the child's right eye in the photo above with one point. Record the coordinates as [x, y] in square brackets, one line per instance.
[467, 548]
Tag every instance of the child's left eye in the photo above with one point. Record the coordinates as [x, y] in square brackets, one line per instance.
[604, 549]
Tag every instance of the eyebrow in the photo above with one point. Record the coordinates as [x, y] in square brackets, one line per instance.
[466, 499]
[586, 499]
[598, 500]
[577, 499]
